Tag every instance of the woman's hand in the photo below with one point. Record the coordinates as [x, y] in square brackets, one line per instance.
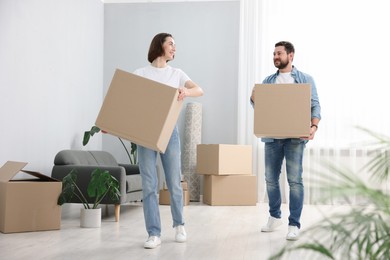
[190, 89]
[183, 92]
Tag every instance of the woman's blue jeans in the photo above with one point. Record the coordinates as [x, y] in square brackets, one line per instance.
[171, 162]
[275, 152]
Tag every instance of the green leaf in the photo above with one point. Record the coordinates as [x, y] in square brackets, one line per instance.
[68, 188]
[101, 184]
[319, 248]
[94, 130]
[134, 153]
[89, 134]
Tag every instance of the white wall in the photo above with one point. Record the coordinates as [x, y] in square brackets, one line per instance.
[51, 72]
[207, 38]
[51, 62]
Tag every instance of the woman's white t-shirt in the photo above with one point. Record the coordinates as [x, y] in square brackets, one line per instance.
[169, 76]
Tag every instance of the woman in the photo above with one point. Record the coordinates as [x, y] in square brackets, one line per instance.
[162, 50]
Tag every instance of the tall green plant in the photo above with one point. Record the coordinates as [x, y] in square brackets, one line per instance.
[361, 232]
[102, 184]
[133, 152]
[379, 166]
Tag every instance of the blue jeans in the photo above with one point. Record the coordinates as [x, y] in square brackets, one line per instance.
[171, 161]
[275, 152]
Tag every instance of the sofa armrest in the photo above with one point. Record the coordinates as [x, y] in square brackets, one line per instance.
[84, 176]
[131, 169]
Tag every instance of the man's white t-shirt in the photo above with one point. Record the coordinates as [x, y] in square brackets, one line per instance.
[169, 76]
[284, 78]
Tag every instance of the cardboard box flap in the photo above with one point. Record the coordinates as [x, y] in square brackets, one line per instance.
[10, 169]
[40, 175]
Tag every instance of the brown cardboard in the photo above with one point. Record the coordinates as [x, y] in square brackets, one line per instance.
[282, 110]
[140, 110]
[224, 159]
[184, 185]
[28, 204]
[164, 197]
[233, 190]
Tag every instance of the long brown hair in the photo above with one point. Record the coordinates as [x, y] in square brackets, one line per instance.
[156, 50]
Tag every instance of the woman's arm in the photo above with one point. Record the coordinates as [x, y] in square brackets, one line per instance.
[190, 89]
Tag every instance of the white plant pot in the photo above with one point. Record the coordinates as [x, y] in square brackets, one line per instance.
[90, 218]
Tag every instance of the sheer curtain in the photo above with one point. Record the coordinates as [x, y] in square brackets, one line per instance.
[342, 44]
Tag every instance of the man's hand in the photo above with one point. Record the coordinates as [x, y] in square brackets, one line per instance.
[313, 130]
[253, 96]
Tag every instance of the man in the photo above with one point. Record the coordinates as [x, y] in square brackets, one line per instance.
[291, 148]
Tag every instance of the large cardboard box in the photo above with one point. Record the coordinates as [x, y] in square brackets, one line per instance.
[28, 204]
[224, 159]
[234, 190]
[282, 110]
[140, 110]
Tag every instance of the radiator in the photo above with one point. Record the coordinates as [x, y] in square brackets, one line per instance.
[316, 163]
[352, 160]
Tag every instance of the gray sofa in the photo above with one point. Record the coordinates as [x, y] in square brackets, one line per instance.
[86, 161]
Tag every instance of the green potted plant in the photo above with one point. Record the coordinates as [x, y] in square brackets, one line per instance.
[132, 154]
[102, 184]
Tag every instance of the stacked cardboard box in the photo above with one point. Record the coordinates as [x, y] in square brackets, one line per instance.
[164, 197]
[228, 178]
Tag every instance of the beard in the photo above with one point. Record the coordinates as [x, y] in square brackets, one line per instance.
[282, 64]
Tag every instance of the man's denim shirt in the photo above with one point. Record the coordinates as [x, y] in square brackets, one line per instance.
[299, 77]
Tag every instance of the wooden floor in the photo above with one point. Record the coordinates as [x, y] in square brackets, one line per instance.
[214, 232]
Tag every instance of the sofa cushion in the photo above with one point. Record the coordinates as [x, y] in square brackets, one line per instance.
[79, 157]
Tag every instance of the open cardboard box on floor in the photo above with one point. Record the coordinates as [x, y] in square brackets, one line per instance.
[282, 110]
[224, 159]
[28, 204]
[140, 110]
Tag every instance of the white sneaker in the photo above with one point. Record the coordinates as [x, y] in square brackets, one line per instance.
[293, 233]
[152, 242]
[181, 235]
[272, 224]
